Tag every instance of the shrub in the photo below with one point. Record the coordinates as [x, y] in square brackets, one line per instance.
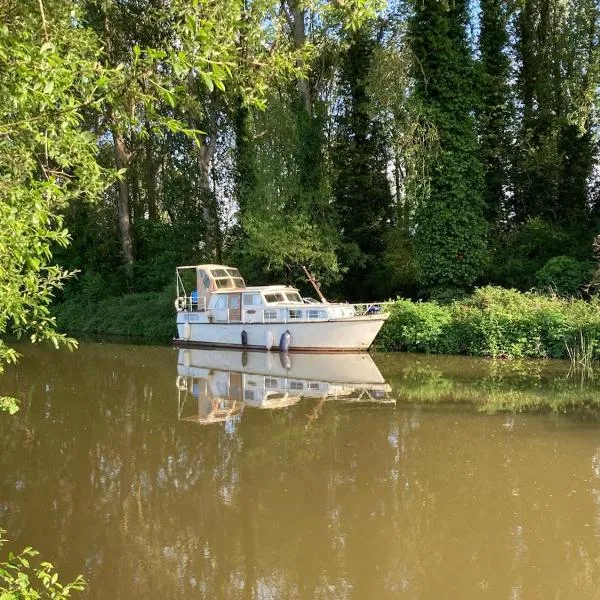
[563, 275]
[494, 322]
[150, 315]
[416, 327]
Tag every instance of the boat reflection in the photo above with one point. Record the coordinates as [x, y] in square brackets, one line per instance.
[216, 385]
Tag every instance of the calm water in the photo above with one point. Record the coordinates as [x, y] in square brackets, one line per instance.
[165, 474]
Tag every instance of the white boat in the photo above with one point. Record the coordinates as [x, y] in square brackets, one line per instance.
[217, 385]
[216, 308]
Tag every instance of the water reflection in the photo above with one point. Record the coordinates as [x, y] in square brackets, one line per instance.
[320, 499]
[216, 385]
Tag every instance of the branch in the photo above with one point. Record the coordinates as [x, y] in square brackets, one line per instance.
[44, 24]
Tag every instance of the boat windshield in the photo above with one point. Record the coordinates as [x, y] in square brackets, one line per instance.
[229, 282]
[224, 282]
[274, 297]
[293, 297]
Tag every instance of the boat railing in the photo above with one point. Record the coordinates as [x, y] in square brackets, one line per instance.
[371, 308]
[191, 303]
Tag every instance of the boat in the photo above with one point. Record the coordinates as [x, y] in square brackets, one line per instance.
[216, 308]
[216, 386]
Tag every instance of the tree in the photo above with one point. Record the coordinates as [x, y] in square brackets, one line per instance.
[50, 77]
[556, 86]
[450, 240]
[494, 109]
[362, 196]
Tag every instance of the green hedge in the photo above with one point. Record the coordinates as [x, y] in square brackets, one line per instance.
[495, 322]
[149, 315]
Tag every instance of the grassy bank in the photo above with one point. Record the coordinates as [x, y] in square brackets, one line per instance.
[496, 322]
[148, 315]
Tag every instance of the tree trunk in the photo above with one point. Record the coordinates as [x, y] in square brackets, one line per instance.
[210, 210]
[122, 162]
[150, 177]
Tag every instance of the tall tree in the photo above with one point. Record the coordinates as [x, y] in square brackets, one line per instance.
[556, 50]
[494, 109]
[450, 238]
[362, 196]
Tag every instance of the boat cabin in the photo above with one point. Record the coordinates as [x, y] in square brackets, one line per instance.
[221, 294]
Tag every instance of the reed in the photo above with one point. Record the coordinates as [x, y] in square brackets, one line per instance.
[581, 355]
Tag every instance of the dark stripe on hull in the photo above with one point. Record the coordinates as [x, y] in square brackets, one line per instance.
[192, 344]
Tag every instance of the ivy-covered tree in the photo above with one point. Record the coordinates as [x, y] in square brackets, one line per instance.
[494, 108]
[450, 240]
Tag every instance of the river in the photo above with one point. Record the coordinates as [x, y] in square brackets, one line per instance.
[159, 473]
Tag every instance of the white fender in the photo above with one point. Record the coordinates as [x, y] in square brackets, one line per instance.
[187, 331]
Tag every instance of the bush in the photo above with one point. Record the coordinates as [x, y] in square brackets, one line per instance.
[415, 327]
[563, 275]
[494, 322]
[150, 315]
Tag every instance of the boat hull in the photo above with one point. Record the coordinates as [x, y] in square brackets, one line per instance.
[354, 334]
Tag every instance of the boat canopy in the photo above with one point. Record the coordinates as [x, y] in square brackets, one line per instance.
[210, 278]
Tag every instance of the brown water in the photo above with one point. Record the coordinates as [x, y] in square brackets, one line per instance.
[111, 470]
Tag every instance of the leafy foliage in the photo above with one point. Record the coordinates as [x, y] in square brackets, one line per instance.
[51, 76]
[564, 275]
[21, 580]
[148, 314]
[450, 240]
[493, 322]
[390, 148]
[362, 196]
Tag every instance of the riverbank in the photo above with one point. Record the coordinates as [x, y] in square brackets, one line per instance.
[492, 322]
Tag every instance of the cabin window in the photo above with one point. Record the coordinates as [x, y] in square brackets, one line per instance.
[233, 273]
[234, 301]
[317, 314]
[221, 302]
[206, 281]
[270, 382]
[275, 297]
[252, 300]
[270, 314]
[293, 296]
[239, 283]
[249, 395]
[219, 273]
[314, 386]
[296, 385]
[294, 314]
